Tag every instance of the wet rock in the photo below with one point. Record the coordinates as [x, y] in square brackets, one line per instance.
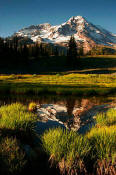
[54, 115]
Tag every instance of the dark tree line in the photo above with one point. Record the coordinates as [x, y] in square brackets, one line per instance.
[17, 50]
[102, 50]
[21, 50]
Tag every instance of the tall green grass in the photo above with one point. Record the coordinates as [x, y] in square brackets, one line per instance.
[66, 148]
[17, 138]
[103, 142]
[106, 119]
[16, 121]
[62, 143]
[16, 116]
[103, 135]
[69, 149]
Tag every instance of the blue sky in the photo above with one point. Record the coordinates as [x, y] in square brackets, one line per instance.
[16, 14]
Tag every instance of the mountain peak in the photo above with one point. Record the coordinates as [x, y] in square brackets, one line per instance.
[78, 26]
[77, 18]
[45, 24]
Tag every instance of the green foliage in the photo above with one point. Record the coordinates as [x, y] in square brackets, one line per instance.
[72, 52]
[72, 152]
[22, 49]
[59, 83]
[16, 117]
[75, 152]
[12, 157]
[106, 119]
[103, 141]
[64, 144]
[102, 50]
[72, 47]
[103, 135]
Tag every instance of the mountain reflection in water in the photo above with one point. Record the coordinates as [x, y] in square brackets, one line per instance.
[73, 112]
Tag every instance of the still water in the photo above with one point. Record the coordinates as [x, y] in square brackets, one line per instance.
[69, 101]
[72, 112]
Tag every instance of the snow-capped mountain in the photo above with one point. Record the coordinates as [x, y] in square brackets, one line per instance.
[78, 26]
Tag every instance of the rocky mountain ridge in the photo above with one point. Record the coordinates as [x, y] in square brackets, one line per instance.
[83, 31]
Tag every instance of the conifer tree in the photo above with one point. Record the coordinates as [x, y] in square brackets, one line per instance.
[81, 50]
[56, 53]
[72, 51]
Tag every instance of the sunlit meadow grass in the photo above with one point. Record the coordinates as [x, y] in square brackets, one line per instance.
[108, 118]
[59, 83]
[16, 117]
[89, 80]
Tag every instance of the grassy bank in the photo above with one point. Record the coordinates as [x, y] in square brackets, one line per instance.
[92, 153]
[57, 151]
[81, 84]
[16, 130]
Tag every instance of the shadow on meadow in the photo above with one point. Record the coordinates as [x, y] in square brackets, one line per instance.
[53, 65]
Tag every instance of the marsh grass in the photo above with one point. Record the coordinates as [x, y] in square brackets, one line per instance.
[18, 153]
[79, 152]
[16, 120]
[91, 84]
[103, 136]
[16, 116]
[66, 149]
[106, 119]
[103, 141]
[63, 144]
[71, 152]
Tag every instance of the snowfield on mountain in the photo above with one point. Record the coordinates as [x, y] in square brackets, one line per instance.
[83, 31]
